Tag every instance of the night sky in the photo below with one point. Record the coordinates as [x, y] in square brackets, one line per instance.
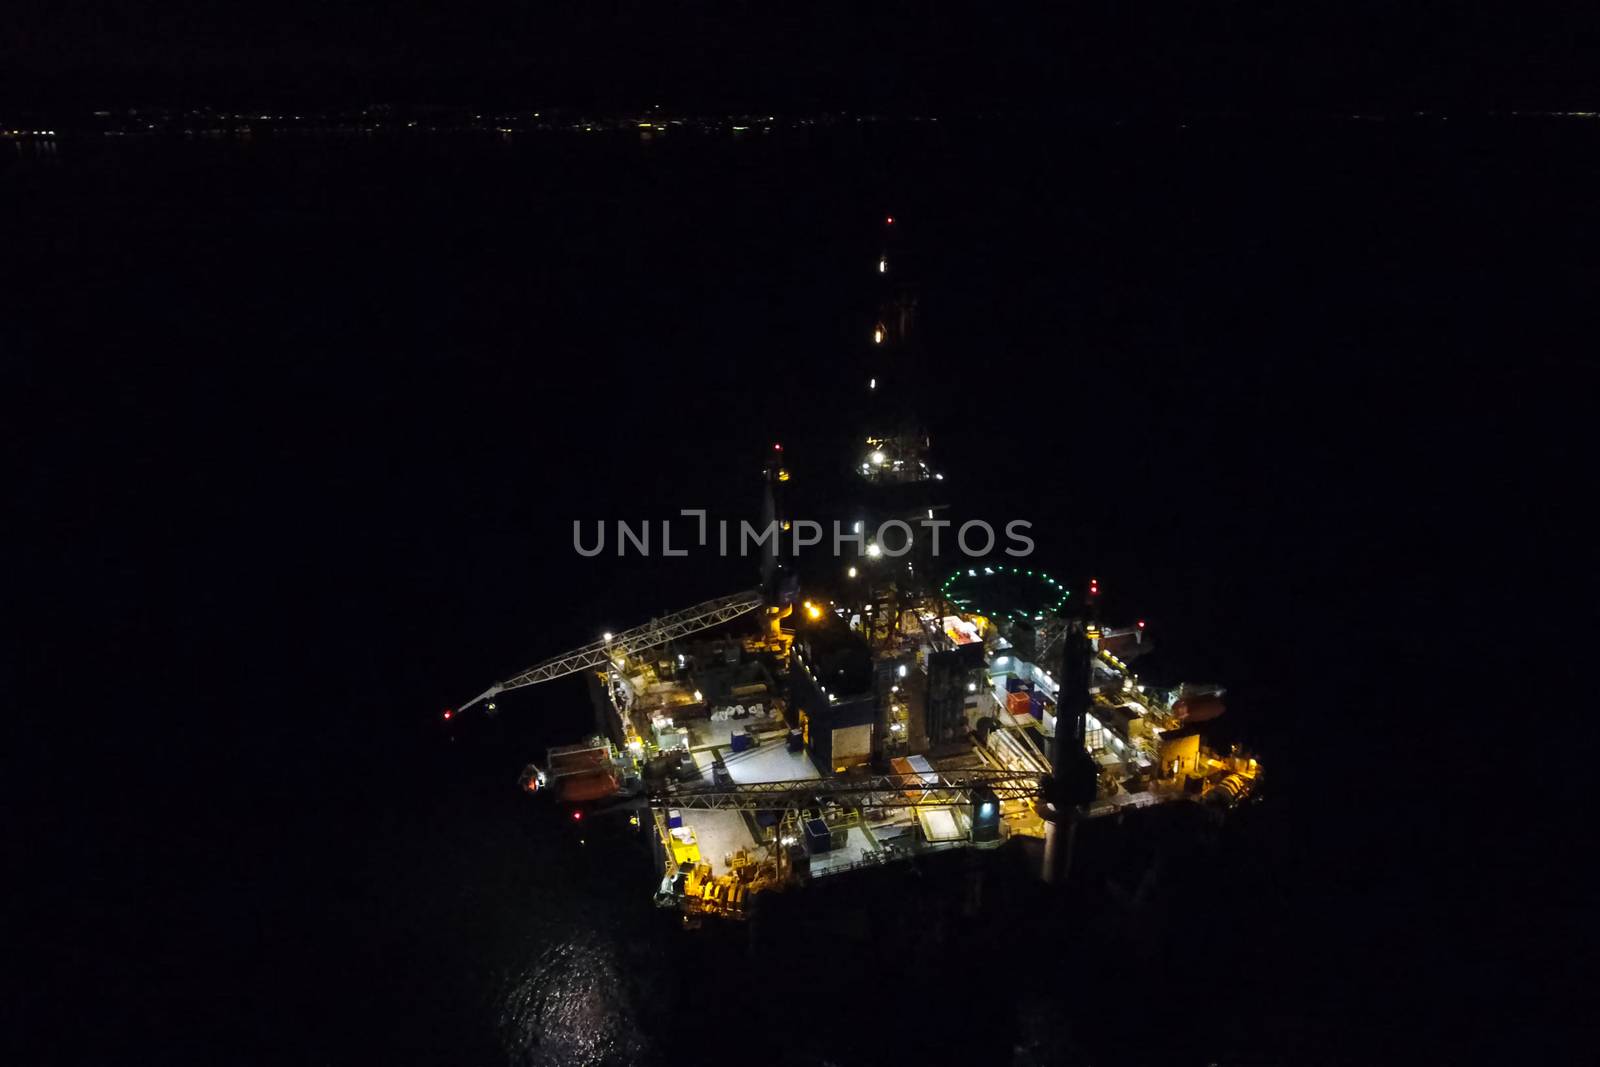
[1058, 59]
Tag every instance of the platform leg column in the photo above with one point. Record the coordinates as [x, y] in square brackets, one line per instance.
[1059, 837]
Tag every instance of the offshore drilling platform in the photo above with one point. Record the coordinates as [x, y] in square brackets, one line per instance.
[877, 707]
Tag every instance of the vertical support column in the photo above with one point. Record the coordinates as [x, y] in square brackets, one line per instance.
[1074, 779]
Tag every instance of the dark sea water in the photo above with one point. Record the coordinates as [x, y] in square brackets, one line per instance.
[304, 426]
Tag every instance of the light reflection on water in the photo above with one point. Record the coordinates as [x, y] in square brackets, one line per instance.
[569, 1006]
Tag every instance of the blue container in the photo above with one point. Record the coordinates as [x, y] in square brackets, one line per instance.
[797, 741]
[1036, 705]
[818, 839]
[741, 741]
[1015, 684]
[674, 819]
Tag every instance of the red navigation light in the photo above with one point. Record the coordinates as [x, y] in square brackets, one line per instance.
[1094, 587]
[889, 221]
[777, 447]
[577, 816]
[448, 713]
[1141, 624]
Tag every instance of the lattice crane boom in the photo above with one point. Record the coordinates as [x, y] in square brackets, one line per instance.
[652, 634]
[877, 791]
